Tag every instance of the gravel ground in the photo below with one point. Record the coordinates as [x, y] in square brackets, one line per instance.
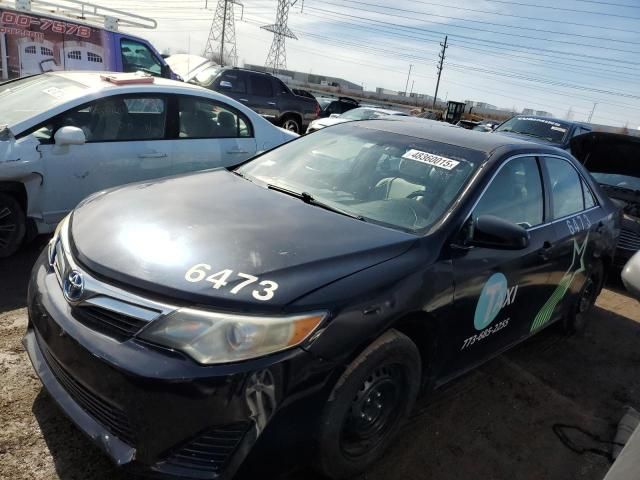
[494, 423]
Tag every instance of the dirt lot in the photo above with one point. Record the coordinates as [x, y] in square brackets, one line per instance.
[495, 423]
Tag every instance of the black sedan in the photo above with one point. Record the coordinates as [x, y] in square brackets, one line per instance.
[316, 289]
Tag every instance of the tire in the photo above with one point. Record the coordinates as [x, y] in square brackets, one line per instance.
[13, 225]
[292, 124]
[368, 405]
[577, 319]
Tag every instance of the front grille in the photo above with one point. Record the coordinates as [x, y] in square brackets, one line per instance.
[116, 325]
[110, 416]
[209, 451]
[629, 240]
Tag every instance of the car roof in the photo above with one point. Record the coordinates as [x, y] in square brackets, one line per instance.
[94, 80]
[445, 133]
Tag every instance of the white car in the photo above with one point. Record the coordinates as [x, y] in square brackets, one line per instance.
[66, 135]
[361, 113]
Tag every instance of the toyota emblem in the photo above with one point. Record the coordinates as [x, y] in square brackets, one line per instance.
[73, 286]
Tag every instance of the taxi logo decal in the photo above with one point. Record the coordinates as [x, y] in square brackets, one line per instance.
[494, 297]
[576, 267]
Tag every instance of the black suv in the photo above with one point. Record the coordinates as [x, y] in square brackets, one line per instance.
[264, 93]
[545, 130]
[330, 106]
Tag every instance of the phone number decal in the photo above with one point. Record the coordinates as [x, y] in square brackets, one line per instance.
[218, 280]
[487, 332]
[56, 26]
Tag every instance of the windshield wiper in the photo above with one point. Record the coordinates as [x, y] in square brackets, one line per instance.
[308, 198]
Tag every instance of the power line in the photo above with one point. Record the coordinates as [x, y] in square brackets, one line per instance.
[494, 32]
[563, 22]
[562, 9]
[474, 39]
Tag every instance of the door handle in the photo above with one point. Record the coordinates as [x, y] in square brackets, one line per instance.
[243, 100]
[152, 155]
[545, 251]
[272, 103]
[237, 151]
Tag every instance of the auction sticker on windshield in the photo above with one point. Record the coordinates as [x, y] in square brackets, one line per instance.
[431, 159]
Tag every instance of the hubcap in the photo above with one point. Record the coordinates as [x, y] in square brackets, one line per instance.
[588, 294]
[8, 226]
[291, 126]
[373, 410]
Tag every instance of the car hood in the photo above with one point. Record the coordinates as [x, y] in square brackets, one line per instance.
[327, 122]
[148, 235]
[608, 153]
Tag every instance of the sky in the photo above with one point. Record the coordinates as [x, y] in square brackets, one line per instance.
[562, 57]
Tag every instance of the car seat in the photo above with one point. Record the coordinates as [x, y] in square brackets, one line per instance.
[107, 120]
[227, 125]
[410, 178]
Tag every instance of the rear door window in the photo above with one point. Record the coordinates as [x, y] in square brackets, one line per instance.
[566, 187]
[203, 118]
[261, 86]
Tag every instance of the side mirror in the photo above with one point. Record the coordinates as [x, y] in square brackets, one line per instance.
[225, 84]
[165, 71]
[334, 115]
[493, 232]
[70, 136]
[631, 275]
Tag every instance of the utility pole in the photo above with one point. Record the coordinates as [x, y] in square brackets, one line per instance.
[407, 84]
[413, 84]
[441, 57]
[592, 110]
[224, 27]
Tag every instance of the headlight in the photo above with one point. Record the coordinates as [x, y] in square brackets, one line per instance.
[211, 338]
[54, 240]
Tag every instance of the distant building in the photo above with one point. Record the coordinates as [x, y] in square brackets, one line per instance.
[528, 111]
[386, 91]
[543, 113]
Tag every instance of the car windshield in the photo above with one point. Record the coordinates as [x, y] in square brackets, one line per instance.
[28, 97]
[617, 180]
[363, 114]
[536, 127]
[396, 180]
[205, 77]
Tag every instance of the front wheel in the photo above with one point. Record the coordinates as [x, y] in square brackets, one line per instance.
[13, 225]
[368, 406]
[292, 124]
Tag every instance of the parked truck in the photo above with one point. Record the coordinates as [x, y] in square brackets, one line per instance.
[38, 36]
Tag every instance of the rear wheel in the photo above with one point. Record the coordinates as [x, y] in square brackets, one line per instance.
[368, 405]
[292, 124]
[577, 319]
[12, 225]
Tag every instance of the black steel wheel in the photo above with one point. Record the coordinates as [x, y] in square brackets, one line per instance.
[368, 405]
[12, 225]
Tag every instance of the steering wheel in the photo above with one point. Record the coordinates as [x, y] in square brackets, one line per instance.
[417, 193]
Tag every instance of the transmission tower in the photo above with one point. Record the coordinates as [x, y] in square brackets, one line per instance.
[277, 58]
[221, 44]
